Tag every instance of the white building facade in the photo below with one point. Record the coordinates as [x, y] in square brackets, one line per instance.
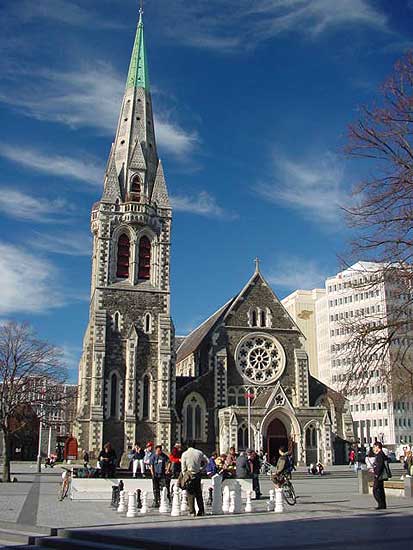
[350, 298]
[301, 305]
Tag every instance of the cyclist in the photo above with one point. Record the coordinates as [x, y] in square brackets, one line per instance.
[283, 467]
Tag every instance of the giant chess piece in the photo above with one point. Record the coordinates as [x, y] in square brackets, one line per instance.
[231, 509]
[225, 500]
[279, 505]
[144, 507]
[184, 502]
[138, 499]
[176, 509]
[237, 498]
[210, 493]
[122, 503]
[132, 509]
[248, 504]
[217, 505]
[271, 502]
[164, 506]
[115, 496]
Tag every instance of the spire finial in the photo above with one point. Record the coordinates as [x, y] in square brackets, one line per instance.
[140, 10]
[257, 265]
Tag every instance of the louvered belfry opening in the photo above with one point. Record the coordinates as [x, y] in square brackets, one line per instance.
[144, 258]
[135, 189]
[122, 271]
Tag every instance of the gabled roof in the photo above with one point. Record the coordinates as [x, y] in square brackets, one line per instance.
[193, 340]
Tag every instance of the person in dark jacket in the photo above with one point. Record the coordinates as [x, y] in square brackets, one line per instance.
[242, 467]
[255, 466]
[107, 461]
[380, 474]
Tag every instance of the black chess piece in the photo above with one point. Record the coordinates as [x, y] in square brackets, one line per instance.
[210, 493]
[138, 499]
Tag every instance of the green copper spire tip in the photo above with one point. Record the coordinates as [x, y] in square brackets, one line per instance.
[138, 76]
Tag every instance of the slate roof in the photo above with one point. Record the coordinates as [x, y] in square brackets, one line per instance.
[193, 340]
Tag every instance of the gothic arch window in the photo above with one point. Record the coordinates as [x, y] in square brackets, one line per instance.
[263, 319]
[194, 414]
[146, 397]
[114, 396]
[147, 323]
[311, 437]
[122, 270]
[254, 318]
[136, 187]
[242, 437]
[144, 258]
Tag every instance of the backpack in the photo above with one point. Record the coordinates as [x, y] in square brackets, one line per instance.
[289, 464]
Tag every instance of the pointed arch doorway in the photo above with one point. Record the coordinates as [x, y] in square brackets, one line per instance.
[276, 437]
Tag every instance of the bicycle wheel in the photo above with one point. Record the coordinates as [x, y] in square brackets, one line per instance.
[289, 493]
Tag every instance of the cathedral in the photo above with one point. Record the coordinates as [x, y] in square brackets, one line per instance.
[240, 379]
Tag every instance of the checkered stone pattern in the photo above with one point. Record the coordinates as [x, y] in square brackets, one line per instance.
[301, 370]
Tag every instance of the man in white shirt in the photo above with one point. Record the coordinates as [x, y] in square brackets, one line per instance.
[193, 461]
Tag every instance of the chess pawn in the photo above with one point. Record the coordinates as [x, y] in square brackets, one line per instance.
[132, 509]
[248, 504]
[231, 509]
[122, 503]
[164, 505]
[138, 498]
[184, 502]
[144, 507]
[271, 502]
[237, 499]
[217, 504]
[225, 500]
[176, 511]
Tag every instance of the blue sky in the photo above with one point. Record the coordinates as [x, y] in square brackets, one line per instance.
[252, 100]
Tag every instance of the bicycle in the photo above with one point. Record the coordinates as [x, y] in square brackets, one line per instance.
[288, 492]
[65, 485]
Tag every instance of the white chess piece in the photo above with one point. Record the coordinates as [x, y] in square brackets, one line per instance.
[225, 500]
[271, 502]
[176, 509]
[144, 509]
[231, 509]
[164, 506]
[217, 504]
[184, 502]
[248, 504]
[132, 507]
[279, 506]
[122, 502]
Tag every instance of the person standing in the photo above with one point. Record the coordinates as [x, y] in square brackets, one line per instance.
[137, 456]
[380, 474]
[242, 466]
[254, 466]
[159, 465]
[193, 461]
[147, 457]
[175, 458]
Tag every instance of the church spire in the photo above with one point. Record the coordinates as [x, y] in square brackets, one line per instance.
[138, 76]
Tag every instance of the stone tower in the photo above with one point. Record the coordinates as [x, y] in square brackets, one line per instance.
[127, 369]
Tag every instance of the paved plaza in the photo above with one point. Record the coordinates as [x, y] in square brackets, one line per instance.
[329, 514]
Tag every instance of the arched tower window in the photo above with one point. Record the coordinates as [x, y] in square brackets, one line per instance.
[114, 401]
[263, 319]
[116, 321]
[136, 188]
[148, 323]
[242, 437]
[144, 258]
[122, 270]
[146, 397]
[311, 437]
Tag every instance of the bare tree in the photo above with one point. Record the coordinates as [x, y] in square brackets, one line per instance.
[29, 367]
[380, 345]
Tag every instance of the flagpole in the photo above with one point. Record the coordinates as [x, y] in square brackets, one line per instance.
[249, 421]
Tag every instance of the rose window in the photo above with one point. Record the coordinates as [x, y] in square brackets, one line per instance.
[260, 358]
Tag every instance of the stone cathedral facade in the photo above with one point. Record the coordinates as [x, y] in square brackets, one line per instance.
[137, 382]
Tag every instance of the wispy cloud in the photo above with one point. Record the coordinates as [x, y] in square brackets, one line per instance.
[290, 273]
[24, 207]
[71, 357]
[91, 97]
[313, 188]
[239, 24]
[29, 284]
[202, 204]
[74, 243]
[60, 11]
[86, 170]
